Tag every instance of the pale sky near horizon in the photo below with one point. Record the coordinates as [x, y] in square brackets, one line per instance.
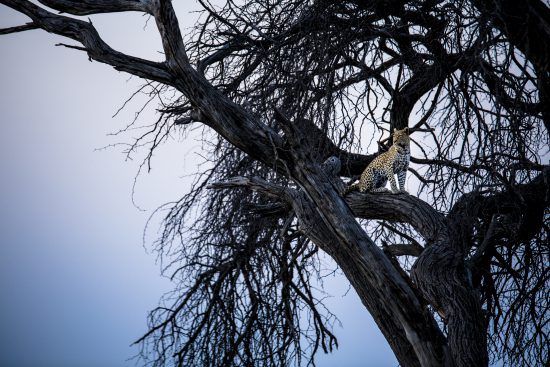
[75, 281]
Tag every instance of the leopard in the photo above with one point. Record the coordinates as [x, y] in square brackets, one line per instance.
[385, 166]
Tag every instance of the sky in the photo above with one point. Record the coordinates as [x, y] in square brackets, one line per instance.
[76, 280]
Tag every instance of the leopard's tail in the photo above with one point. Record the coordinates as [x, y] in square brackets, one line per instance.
[351, 188]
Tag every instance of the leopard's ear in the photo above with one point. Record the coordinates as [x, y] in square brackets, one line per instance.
[407, 130]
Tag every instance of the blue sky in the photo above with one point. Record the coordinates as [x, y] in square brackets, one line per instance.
[75, 279]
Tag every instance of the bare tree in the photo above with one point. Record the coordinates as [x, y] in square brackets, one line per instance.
[460, 272]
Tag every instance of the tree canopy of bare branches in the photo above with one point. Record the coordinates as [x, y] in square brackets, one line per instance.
[454, 273]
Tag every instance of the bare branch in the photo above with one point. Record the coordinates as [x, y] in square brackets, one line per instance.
[87, 7]
[17, 29]
[86, 34]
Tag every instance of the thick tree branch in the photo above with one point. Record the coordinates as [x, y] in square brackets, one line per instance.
[402, 208]
[230, 120]
[256, 184]
[87, 7]
[86, 34]
[438, 270]
[400, 249]
[527, 202]
[415, 338]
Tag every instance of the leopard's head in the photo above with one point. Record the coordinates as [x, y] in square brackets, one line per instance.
[401, 137]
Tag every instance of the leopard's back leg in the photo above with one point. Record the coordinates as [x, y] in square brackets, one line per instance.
[366, 180]
[376, 180]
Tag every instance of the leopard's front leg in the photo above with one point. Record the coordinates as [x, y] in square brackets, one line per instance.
[401, 176]
[393, 184]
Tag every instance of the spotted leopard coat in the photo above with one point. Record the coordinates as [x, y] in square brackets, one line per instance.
[383, 168]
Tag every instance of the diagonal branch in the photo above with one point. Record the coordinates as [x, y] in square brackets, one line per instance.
[256, 184]
[230, 120]
[87, 7]
[20, 28]
[86, 34]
